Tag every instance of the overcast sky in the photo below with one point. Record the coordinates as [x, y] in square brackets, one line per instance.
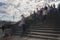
[15, 8]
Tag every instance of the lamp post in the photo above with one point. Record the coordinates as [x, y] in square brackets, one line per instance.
[13, 17]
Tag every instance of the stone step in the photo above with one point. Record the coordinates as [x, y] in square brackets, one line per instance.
[41, 28]
[44, 27]
[42, 33]
[40, 36]
[45, 31]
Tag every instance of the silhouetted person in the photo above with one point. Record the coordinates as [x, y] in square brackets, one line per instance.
[3, 27]
[23, 26]
[54, 6]
[7, 31]
[41, 14]
[34, 16]
[59, 7]
[49, 10]
[44, 14]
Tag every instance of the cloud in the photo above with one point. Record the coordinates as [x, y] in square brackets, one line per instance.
[16, 8]
[2, 4]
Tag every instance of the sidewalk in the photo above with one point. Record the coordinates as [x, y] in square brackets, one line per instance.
[24, 38]
[27, 38]
[18, 38]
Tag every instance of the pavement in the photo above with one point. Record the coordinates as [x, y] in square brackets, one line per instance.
[1, 33]
[24, 38]
[19, 38]
[16, 37]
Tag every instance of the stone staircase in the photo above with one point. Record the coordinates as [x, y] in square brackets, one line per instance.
[42, 31]
[46, 31]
